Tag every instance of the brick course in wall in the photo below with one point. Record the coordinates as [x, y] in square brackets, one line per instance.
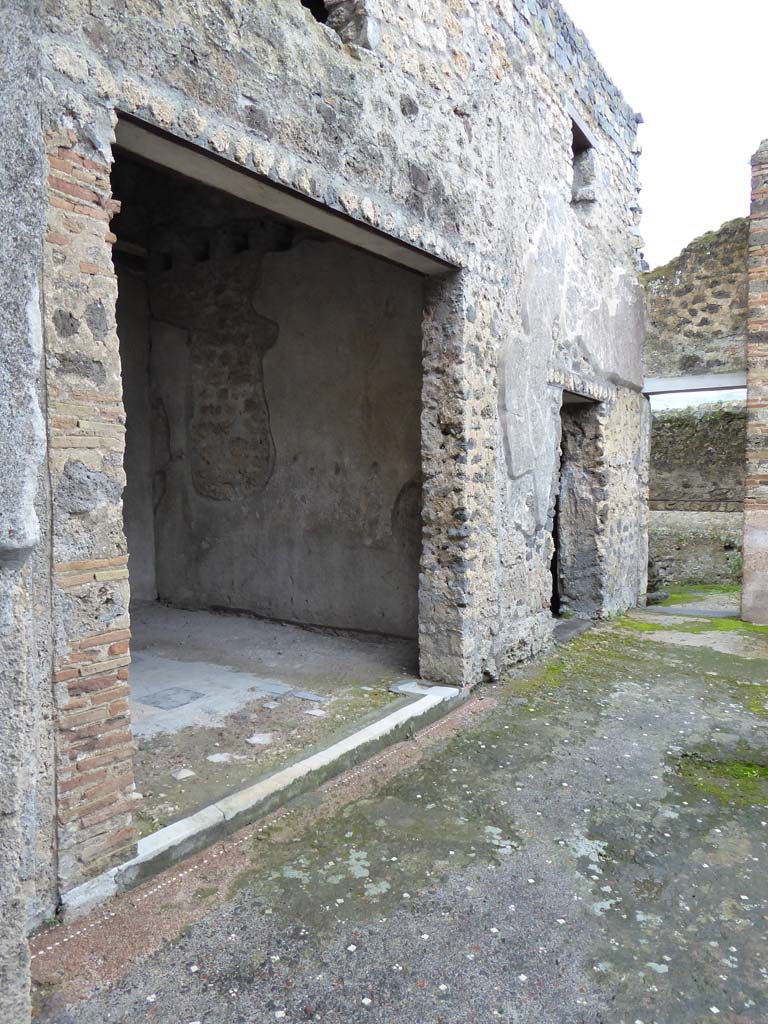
[755, 587]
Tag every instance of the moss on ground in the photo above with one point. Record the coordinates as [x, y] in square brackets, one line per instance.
[709, 625]
[641, 627]
[696, 592]
[147, 823]
[701, 624]
[744, 783]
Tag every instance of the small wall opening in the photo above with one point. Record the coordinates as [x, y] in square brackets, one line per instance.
[584, 165]
[272, 507]
[317, 8]
[576, 589]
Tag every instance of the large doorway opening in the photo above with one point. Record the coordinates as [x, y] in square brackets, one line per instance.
[576, 587]
[272, 507]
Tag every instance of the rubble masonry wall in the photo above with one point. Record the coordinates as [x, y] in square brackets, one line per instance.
[452, 134]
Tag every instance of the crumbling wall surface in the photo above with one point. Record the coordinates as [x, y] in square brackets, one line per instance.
[694, 547]
[453, 135]
[698, 458]
[754, 594]
[26, 835]
[696, 306]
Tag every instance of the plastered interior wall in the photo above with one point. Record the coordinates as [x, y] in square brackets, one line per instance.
[273, 403]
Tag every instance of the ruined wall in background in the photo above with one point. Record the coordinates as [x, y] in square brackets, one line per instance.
[694, 547]
[696, 313]
[698, 458]
[696, 306]
[697, 473]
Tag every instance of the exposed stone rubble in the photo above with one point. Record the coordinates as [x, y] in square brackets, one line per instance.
[696, 306]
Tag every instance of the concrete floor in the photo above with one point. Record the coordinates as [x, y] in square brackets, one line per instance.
[218, 699]
[585, 844]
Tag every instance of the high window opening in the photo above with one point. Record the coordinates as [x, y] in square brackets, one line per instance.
[579, 490]
[272, 507]
[584, 165]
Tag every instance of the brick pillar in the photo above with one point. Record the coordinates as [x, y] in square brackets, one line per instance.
[95, 788]
[754, 600]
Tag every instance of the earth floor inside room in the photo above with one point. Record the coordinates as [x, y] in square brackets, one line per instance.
[221, 699]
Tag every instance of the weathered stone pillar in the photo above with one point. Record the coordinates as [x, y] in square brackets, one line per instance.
[754, 601]
[458, 498]
[22, 448]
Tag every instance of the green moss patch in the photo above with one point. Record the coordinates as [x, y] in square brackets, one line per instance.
[696, 592]
[639, 626]
[735, 782]
[710, 625]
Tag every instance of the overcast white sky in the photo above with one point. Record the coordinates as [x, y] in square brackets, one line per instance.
[697, 70]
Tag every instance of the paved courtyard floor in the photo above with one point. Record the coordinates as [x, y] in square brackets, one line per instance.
[585, 842]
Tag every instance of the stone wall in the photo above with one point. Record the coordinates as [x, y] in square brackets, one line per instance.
[696, 315]
[694, 547]
[454, 136]
[698, 460]
[696, 306]
[697, 475]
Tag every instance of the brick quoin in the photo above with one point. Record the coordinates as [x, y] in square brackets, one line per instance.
[754, 602]
[95, 771]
